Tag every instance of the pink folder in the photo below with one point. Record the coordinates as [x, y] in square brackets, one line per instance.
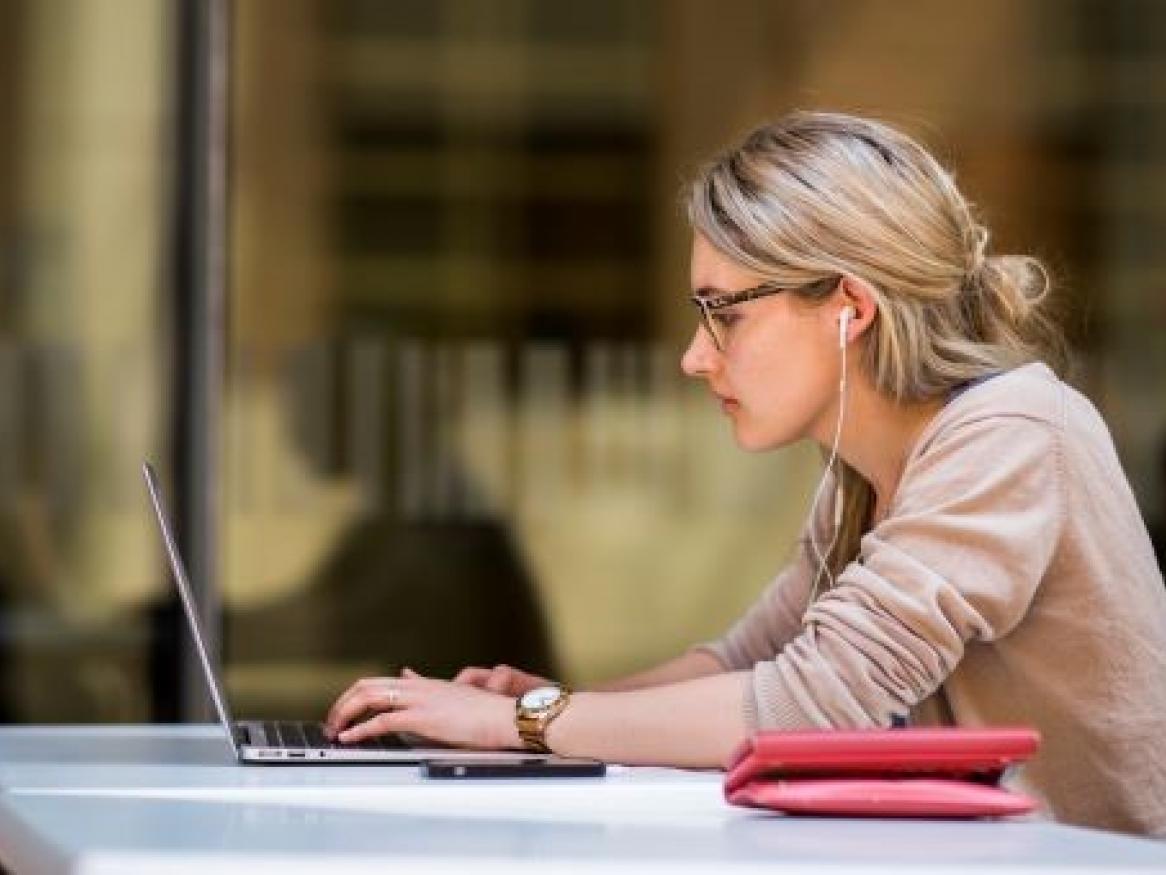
[933, 772]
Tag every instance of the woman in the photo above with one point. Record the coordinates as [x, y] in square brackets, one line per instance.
[974, 555]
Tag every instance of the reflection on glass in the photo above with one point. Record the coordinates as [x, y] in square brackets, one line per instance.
[460, 299]
[80, 374]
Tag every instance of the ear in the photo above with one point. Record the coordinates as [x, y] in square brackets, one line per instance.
[860, 297]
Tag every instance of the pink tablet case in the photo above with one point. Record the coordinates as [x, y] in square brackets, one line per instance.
[935, 772]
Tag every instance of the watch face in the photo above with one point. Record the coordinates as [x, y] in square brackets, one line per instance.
[543, 697]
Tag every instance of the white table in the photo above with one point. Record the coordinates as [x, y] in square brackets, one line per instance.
[171, 799]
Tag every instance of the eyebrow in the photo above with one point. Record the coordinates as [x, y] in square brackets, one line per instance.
[816, 285]
[712, 293]
[709, 292]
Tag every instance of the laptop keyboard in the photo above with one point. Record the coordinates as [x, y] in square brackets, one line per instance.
[298, 736]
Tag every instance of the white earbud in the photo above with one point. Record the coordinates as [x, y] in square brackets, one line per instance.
[843, 325]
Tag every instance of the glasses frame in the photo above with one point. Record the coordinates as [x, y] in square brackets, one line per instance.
[709, 304]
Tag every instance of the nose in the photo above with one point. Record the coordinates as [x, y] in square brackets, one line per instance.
[701, 356]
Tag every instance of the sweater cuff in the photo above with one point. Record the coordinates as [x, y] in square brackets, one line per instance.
[752, 719]
[769, 704]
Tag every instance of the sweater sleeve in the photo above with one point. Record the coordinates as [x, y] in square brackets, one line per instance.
[774, 619]
[972, 530]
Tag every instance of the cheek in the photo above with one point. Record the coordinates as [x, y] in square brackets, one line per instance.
[781, 398]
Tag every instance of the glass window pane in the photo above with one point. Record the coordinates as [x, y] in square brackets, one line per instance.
[457, 431]
[81, 363]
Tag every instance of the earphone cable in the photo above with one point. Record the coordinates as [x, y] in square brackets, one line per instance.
[823, 567]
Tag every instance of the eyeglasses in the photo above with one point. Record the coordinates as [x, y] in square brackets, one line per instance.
[718, 324]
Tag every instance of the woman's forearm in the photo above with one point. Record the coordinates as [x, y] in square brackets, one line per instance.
[693, 664]
[694, 723]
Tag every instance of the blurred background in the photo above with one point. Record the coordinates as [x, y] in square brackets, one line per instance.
[413, 384]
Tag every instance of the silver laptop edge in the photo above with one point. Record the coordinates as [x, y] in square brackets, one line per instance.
[262, 753]
[179, 569]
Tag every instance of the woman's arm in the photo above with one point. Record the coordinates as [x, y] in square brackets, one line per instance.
[512, 681]
[694, 723]
[689, 666]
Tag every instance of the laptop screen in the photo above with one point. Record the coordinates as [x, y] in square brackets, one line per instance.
[184, 593]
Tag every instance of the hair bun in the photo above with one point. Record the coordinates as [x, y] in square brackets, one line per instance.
[1018, 284]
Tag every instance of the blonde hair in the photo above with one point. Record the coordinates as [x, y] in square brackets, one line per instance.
[816, 194]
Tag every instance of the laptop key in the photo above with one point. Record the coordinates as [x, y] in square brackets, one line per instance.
[314, 733]
[292, 735]
[271, 733]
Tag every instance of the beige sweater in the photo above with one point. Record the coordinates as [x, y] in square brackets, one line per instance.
[1011, 583]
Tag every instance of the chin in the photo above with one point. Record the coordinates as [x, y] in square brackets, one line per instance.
[756, 441]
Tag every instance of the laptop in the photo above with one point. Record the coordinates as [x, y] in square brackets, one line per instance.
[291, 742]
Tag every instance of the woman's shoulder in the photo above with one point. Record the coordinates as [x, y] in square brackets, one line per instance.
[1030, 392]
[1021, 407]
[1029, 404]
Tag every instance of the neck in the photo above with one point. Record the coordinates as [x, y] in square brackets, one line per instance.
[878, 435]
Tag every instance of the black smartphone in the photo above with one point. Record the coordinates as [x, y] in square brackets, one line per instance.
[534, 767]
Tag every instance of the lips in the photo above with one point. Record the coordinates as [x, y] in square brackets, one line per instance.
[728, 403]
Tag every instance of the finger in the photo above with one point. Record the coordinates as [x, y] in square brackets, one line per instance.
[381, 724]
[500, 679]
[343, 713]
[332, 717]
[345, 705]
[409, 673]
[358, 709]
[473, 676]
[372, 694]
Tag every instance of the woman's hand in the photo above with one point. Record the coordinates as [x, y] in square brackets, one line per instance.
[456, 714]
[501, 679]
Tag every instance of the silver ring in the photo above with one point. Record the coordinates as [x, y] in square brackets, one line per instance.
[393, 695]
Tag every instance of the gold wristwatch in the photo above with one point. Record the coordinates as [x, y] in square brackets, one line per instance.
[534, 711]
